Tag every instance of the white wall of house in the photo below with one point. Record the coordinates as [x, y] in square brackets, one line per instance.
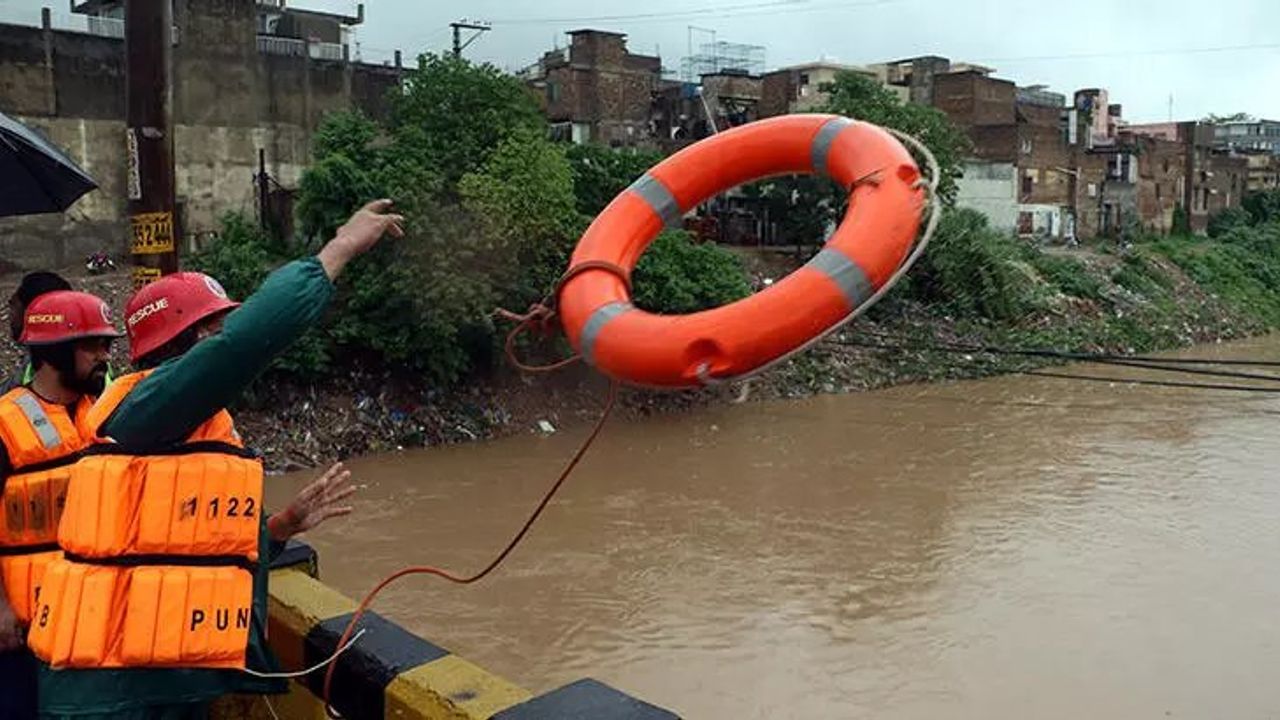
[991, 189]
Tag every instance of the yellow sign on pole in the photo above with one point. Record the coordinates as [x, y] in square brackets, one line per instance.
[151, 233]
[143, 276]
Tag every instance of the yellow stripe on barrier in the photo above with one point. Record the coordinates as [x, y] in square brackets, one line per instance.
[391, 673]
[454, 688]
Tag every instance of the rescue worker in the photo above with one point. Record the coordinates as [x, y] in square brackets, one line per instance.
[185, 584]
[33, 285]
[68, 336]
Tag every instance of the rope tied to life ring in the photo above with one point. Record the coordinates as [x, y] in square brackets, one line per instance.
[542, 317]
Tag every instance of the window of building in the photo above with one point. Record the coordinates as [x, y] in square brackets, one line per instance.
[1028, 183]
[804, 79]
[553, 92]
[1166, 165]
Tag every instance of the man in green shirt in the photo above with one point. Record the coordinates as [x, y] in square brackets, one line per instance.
[227, 353]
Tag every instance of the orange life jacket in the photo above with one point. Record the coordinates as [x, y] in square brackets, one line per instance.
[42, 442]
[160, 551]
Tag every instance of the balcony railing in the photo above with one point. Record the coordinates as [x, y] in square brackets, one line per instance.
[294, 47]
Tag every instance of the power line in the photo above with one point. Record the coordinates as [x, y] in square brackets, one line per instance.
[899, 343]
[1138, 53]
[1180, 365]
[1153, 383]
[772, 7]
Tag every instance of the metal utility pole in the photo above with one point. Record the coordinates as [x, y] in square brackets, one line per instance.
[458, 27]
[153, 228]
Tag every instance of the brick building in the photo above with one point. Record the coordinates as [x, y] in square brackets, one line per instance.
[596, 90]
[1212, 179]
[1020, 128]
[802, 88]
[685, 112]
[1264, 171]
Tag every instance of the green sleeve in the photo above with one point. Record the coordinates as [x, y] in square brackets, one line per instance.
[181, 394]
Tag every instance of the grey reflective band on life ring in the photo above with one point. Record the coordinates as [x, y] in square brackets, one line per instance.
[652, 191]
[845, 273]
[825, 139]
[596, 323]
[39, 420]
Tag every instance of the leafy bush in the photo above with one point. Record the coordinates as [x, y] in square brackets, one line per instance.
[239, 257]
[1263, 207]
[973, 270]
[1237, 272]
[601, 173]
[1226, 220]
[676, 276]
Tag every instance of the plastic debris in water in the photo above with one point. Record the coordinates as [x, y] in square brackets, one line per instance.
[546, 427]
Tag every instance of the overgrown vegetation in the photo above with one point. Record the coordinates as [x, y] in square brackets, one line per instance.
[494, 209]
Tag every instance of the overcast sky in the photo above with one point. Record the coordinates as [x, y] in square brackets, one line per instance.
[1143, 51]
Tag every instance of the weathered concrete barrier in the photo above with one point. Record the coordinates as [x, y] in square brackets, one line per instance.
[392, 673]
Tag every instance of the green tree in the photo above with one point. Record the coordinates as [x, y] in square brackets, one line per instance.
[451, 114]
[524, 198]
[601, 173]
[349, 133]
[858, 96]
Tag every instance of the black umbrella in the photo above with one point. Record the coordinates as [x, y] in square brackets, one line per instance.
[35, 176]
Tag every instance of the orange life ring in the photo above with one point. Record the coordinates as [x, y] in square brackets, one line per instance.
[641, 348]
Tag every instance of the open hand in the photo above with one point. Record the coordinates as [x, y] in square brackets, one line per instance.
[319, 501]
[359, 234]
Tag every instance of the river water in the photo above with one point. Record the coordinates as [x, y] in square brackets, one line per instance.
[1018, 547]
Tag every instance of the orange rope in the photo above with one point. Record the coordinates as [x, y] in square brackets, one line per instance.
[543, 317]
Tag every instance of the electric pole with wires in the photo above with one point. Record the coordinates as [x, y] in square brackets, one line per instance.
[153, 229]
[458, 27]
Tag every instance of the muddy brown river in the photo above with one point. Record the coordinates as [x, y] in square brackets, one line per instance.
[1011, 548]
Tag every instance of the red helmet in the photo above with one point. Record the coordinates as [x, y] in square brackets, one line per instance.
[64, 316]
[162, 310]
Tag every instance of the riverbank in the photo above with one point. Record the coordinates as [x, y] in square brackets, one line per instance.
[1154, 296]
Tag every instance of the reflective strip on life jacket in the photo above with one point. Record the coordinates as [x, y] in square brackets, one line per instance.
[39, 420]
[42, 443]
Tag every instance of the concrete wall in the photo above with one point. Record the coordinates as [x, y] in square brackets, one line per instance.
[990, 189]
[229, 101]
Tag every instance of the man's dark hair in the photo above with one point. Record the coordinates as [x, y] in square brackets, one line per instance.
[176, 347]
[33, 285]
